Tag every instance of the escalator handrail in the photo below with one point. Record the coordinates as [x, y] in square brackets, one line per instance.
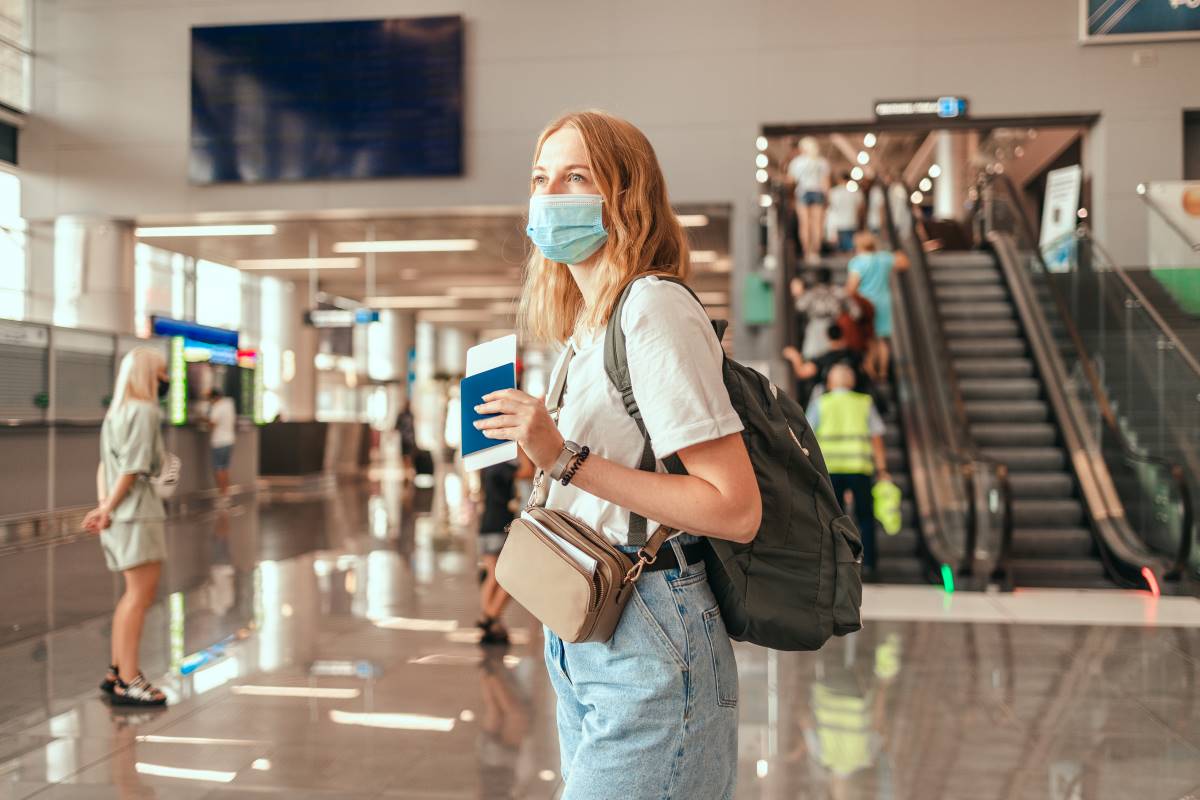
[1173, 469]
[960, 449]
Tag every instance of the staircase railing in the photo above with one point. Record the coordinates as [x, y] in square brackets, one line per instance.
[963, 498]
[1140, 504]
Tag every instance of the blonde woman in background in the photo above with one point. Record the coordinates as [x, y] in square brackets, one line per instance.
[809, 171]
[130, 518]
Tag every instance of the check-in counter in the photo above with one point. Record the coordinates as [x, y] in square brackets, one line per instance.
[50, 466]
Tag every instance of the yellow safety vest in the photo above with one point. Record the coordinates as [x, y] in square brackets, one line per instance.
[844, 432]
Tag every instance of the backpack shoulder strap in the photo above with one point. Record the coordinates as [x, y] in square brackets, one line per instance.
[616, 364]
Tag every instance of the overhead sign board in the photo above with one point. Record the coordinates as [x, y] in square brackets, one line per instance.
[340, 317]
[947, 107]
[1109, 22]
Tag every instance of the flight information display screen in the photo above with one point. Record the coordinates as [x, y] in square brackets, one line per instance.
[327, 100]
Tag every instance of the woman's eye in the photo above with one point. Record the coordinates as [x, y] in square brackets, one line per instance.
[538, 180]
[575, 175]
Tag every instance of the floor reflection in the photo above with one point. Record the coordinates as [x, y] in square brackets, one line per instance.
[322, 646]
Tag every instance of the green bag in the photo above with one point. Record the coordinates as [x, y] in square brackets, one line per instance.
[799, 582]
[887, 506]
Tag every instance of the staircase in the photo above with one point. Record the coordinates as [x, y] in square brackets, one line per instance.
[1011, 422]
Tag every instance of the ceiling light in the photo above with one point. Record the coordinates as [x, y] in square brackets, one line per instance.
[407, 722]
[412, 301]
[162, 771]
[761, 143]
[935, 170]
[484, 292]
[348, 262]
[869, 140]
[704, 256]
[312, 692]
[925, 185]
[765, 200]
[863, 157]
[692, 220]
[261, 764]
[409, 246]
[204, 230]
[1082, 213]
[761, 161]
[851, 186]
[761, 176]
[857, 173]
[200, 740]
[916, 197]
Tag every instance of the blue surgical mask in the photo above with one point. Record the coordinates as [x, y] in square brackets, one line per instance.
[567, 228]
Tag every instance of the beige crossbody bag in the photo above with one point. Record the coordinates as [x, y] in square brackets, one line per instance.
[561, 570]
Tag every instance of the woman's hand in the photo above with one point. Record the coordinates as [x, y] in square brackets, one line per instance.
[97, 519]
[522, 419]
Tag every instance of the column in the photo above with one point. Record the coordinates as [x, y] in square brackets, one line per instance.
[93, 273]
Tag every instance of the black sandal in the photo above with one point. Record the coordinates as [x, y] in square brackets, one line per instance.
[138, 692]
[110, 680]
[493, 631]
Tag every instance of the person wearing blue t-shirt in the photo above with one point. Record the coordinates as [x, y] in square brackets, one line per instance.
[870, 273]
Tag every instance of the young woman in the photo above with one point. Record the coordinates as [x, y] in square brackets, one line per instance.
[809, 171]
[130, 517]
[870, 272]
[653, 711]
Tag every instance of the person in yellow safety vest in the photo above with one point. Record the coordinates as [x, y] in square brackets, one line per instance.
[850, 433]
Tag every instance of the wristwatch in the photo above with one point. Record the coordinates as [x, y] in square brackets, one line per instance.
[569, 452]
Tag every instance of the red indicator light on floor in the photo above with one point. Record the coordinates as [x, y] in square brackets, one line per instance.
[1148, 574]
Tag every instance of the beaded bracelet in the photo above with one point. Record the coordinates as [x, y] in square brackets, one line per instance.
[575, 465]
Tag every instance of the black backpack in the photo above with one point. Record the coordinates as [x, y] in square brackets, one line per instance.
[799, 581]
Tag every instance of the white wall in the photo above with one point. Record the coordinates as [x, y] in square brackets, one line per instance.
[109, 128]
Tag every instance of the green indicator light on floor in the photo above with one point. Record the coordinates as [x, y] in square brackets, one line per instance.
[948, 579]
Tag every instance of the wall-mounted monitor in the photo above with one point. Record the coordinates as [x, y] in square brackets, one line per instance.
[327, 100]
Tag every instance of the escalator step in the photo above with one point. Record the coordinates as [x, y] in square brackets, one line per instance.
[1059, 572]
[970, 291]
[964, 275]
[959, 328]
[1052, 543]
[961, 260]
[988, 310]
[892, 437]
[903, 544]
[1000, 388]
[1000, 434]
[979, 346]
[1047, 512]
[1029, 459]
[1041, 484]
[993, 367]
[984, 410]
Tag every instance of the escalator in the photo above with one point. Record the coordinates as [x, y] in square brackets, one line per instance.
[1010, 419]
[902, 558]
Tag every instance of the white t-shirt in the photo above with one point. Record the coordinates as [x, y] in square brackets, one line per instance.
[224, 422]
[675, 366]
[843, 208]
[808, 173]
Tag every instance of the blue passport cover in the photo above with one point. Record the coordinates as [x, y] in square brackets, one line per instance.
[471, 391]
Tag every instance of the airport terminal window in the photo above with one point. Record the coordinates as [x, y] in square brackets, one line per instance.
[12, 249]
[160, 285]
[14, 53]
[218, 295]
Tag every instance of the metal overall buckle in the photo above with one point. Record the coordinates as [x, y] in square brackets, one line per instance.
[644, 560]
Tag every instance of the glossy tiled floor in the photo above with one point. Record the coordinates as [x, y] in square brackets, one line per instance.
[321, 647]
